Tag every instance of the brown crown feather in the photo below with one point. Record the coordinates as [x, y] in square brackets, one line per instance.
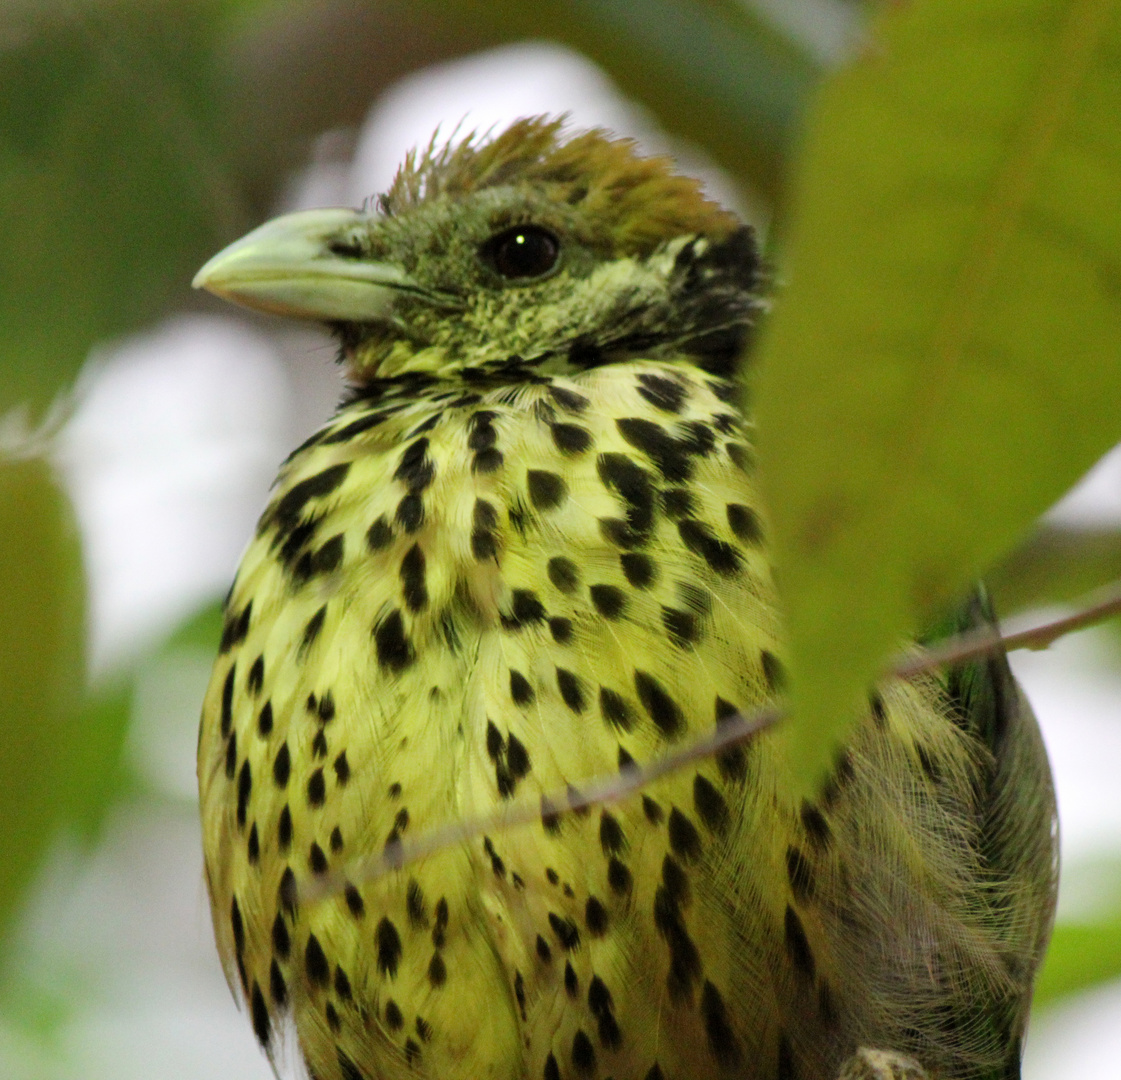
[639, 201]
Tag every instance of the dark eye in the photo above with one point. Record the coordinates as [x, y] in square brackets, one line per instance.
[523, 252]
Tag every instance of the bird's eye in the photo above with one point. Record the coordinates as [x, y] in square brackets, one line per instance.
[526, 251]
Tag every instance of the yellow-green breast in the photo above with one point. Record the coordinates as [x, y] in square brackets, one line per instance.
[463, 594]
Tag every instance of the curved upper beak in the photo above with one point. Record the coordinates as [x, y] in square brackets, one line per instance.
[301, 265]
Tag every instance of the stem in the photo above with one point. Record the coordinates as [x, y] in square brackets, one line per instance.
[985, 641]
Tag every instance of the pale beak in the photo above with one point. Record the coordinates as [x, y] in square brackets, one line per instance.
[301, 265]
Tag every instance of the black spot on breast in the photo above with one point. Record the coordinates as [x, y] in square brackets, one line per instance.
[284, 829]
[342, 769]
[669, 456]
[336, 840]
[619, 877]
[415, 905]
[685, 959]
[278, 989]
[744, 523]
[354, 901]
[311, 631]
[525, 609]
[773, 671]
[683, 627]
[394, 1018]
[721, 1039]
[662, 709]
[253, 846]
[632, 484]
[441, 926]
[379, 534]
[260, 1015]
[244, 788]
[740, 456]
[561, 629]
[676, 881]
[437, 971]
[517, 757]
[281, 941]
[609, 600]
[817, 828]
[583, 1054]
[699, 539]
[237, 926]
[571, 690]
[332, 1015]
[520, 689]
[254, 681]
[227, 703]
[264, 720]
[563, 573]
[413, 582]
[484, 542]
[678, 502]
[325, 710]
[355, 427]
[663, 393]
[709, 804]
[410, 512]
[654, 1072]
[487, 461]
[611, 836]
[544, 953]
[571, 439]
[414, 470]
[568, 399]
[638, 569]
[317, 860]
[291, 505]
[654, 813]
[784, 1066]
[546, 489]
[684, 840]
[236, 627]
[286, 891]
[733, 761]
[316, 788]
[565, 930]
[389, 948]
[231, 756]
[315, 962]
[319, 744]
[395, 652]
[826, 1008]
[595, 917]
[797, 945]
[625, 760]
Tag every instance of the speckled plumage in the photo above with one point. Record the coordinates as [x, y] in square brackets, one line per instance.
[522, 557]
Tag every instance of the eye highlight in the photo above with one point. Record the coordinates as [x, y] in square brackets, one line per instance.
[525, 251]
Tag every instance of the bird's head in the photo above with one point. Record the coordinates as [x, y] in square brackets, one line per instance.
[558, 253]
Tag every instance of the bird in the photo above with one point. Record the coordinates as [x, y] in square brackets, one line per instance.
[529, 551]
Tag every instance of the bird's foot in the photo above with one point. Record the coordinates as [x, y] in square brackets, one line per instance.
[869, 1064]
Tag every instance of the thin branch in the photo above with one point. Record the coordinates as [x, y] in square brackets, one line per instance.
[736, 729]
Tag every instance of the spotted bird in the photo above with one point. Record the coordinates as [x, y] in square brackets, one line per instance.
[529, 550]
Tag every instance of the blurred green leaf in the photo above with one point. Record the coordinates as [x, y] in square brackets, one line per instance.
[1055, 566]
[714, 73]
[947, 359]
[202, 630]
[112, 180]
[1079, 957]
[42, 668]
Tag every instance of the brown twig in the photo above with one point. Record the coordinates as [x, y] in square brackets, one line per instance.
[1099, 605]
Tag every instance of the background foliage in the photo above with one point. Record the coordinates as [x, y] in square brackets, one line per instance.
[946, 217]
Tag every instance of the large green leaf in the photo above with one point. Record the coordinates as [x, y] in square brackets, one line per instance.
[112, 183]
[947, 358]
[42, 671]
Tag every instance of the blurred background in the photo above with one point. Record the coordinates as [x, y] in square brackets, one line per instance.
[141, 424]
